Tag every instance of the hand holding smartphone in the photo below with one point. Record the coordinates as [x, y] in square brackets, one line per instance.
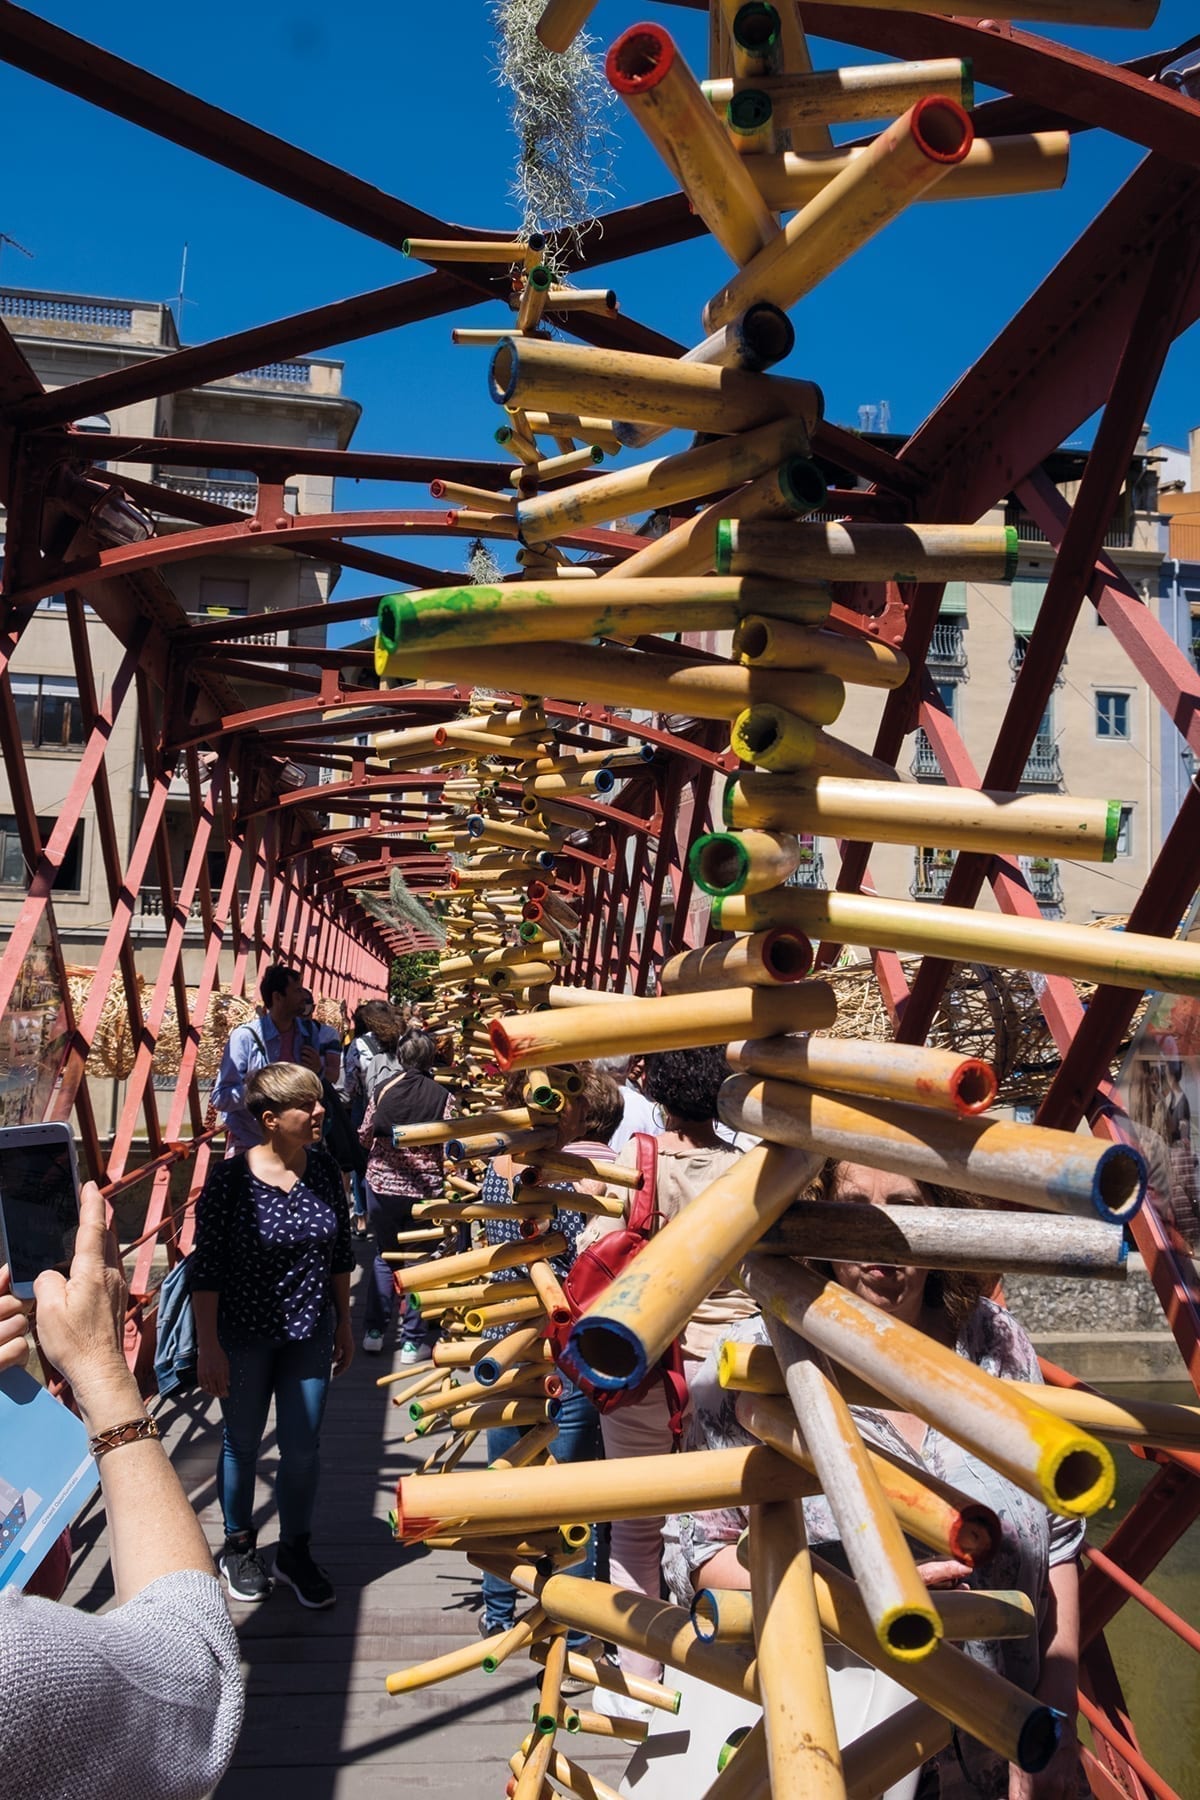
[39, 1201]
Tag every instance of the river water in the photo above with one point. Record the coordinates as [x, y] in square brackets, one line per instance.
[1159, 1674]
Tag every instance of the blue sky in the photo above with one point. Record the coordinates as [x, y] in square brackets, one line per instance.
[406, 97]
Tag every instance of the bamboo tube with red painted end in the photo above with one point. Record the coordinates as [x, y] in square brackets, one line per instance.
[1050, 947]
[659, 390]
[775, 738]
[872, 91]
[882, 1756]
[468, 1656]
[535, 1499]
[904, 812]
[484, 1261]
[675, 1022]
[1059, 1465]
[907, 158]
[931, 1238]
[743, 862]
[802, 1741]
[767, 643]
[492, 1415]
[624, 1332]
[644, 66]
[914, 1073]
[505, 1312]
[866, 551]
[549, 1291]
[1034, 162]
[613, 1680]
[764, 959]
[441, 1131]
[966, 1616]
[1055, 1171]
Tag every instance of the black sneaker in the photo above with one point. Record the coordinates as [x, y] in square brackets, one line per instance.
[243, 1570]
[294, 1564]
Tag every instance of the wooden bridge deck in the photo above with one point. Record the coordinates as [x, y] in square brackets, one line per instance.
[317, 1715]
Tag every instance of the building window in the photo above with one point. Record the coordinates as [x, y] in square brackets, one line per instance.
[222, 597]
[13, 872]
[1112, 715]
[1125, 832]
[48, 712]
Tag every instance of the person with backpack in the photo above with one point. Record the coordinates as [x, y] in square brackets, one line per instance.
[278, 1034]
[370, 1059]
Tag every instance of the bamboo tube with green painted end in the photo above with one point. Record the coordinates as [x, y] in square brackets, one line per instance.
[484, 1261]
[441, 1131]
[538, 282]
[870, 91]
[742, 1772]
[764, 959]
[506, 1312]
[535, 1499]
[802, 1741]
[1049, 947]
[1054, 1171]
[930, 1238]
[1036, 162]
[904, 812]
[775, 738]
[613, 1680]
[712, 468]
[569, 462]
[887, 1752]
[907, 158]
[1059, 1465]
[675, 1022]
[914, 1073]
[658, 390]
[626, 1330]
[896, 1599]
[549, 1693]
[644, 66]
[467, 1293]
[778, 643]
[866, 551]
[468, 1656]
[749, 121]
[743, 862]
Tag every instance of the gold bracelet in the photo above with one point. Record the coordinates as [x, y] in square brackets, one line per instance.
[135, 1432]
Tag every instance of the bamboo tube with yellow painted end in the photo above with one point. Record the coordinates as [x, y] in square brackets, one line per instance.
[1055, 1171]
[468, 1656]
[613, 1680]
[1059, 1465]
[914, 1073]
[505, 1312]
[644, 66]
[802, 1741]
[932, 1238]
[910, 156]
[775, 738]
[896, 1599]
[866, 551]
[675, 1022]
[743, 862]
[1050, 947]
[904, 812]
[535, 1499]
[764, 959]
[778, 643]
[870, 91]
[882, 1756]
[626, 1330]
[658, 390]
[484, 1261]
[1035, 162]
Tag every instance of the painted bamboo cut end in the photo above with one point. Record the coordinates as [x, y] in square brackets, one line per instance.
[639, 59]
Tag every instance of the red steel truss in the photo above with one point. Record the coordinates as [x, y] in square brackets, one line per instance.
[1094, 335]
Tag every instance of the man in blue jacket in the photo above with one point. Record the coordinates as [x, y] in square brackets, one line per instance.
[279, 1034]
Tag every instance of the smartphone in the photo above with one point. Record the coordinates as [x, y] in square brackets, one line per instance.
[39, 1201]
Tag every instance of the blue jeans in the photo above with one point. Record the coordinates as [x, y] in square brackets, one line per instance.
[388, 1215]
[578, 1440]
[296, 1375]
[358, 1194]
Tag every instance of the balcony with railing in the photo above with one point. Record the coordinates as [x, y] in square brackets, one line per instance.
[1020, 651]
[925, 765]
[1119, 536]
[932, 870]
[1041, 872]
[224, 490]
[1043, 767]
[948, 649]
[811, 872]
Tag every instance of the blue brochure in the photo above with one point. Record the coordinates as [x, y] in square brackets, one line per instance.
[47, 1474]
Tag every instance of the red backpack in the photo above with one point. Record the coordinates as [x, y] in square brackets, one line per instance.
[592, 1273]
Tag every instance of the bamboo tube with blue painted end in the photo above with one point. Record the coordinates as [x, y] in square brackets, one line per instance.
[743, 862]
[723, 1615]
[913, 1073]
[657, 390]
[1126, 959]
[644, 66]
[1031, 1165]
[504, 1355]
[868, 91]
[895, 1598]
[761, 337]
[624, 1332]
[1064, 1468]
[802, 1741]
[764, 959]
[613, 1680]
[932, 1238]
[775, 738]
[883, 1755]
[468, 1656]
[548, 1384]
[484, 1261]
[778, 643]
[904, 812]
[675, 1022]
[866, 551]
[709, 469]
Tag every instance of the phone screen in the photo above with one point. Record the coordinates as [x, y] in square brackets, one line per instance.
[41, 1208]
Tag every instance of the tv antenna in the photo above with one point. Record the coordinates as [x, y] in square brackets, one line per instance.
[5, 239]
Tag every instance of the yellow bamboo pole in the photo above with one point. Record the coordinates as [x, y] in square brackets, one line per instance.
[496, 1357]
[454, 493]
[764, 959]
[560, 424]
[867, 551]
[743, 862]
[522, 1143]
[442, 1131]
[870, 91]
[595, 1724]
[1061, 1466]
[1132, 1421]
[549, 1291]
[570, 1776]
[528, 1449]
[937, 1238]
[465, 250]
[506, 1312]
[915, 1073]
[597, 1206]
[1050, 947]
[532, 1379]
[585, 1168]
[689, 548]
[489, 1415]
[892, 1749]
[778, 643]
[525, 974]
[569, 299]
[485, 1261]
[775, 738]
[561, 21]
[802, 1742]
[569, 462]
[549, 1694]
[1033, 163]
[468, 1656]
[613, 1680]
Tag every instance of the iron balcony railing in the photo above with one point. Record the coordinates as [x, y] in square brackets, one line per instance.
[811, 872]
[1042, 875]
[241, 496]
[1020, 650]
[1119, 535]
[1043, 766]
[931, 874]
[925, 765]
[948, 647]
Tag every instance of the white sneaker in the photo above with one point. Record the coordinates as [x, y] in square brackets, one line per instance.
[414, 1353]
[373, 1343]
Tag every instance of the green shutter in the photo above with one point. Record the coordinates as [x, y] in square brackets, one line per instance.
[954, 600]
[1027, 593]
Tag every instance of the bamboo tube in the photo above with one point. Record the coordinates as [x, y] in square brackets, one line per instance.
[531, 1379]
[455, 494]
[592, 430]
[802, 1742]
[866, 551]
[441, 1131]
[468, 1656]
[569, 299]
[942, 1079]
[896, 1600]
[892, 1749]
[528, 1449]
[934, 1238]
[1110, 958]
[586, 781]
[632, 1487]
[903, 812]
[872, 91]
[677, 1022]
[549, 1695]
[597, 1206]
[478, 1214]
[549, 1291]
[646, 69]
[1060, 1465]
[419, 1237]
[712, 468]
[595, 1724]
[569, 462]
[468, 250]
[764, 959]
[516, 837]
[429, 1378]
[1056, 1171]
[572, 996]
[525, 974]
[626, 1330]
[533, 1767]
[778, 739]
[499, 1358]
[727, 1615]
[1125, 1421]
[904, 160]
[573, 1167]
[615, 1681]
[743, 862]
[571, 1776]
[750, 1779]
[561, 21]
[456, 1355]
[485, 1261]
[489, 1415]
[1036, 162]
[496, 1143]
[507, 1312]
[538, 282]
[760, 338]
[655, 389]
[723, 1614]
[767, 643]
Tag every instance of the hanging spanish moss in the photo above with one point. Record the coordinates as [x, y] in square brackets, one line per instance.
[562, 109]
[482, 568]
[403, 908]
